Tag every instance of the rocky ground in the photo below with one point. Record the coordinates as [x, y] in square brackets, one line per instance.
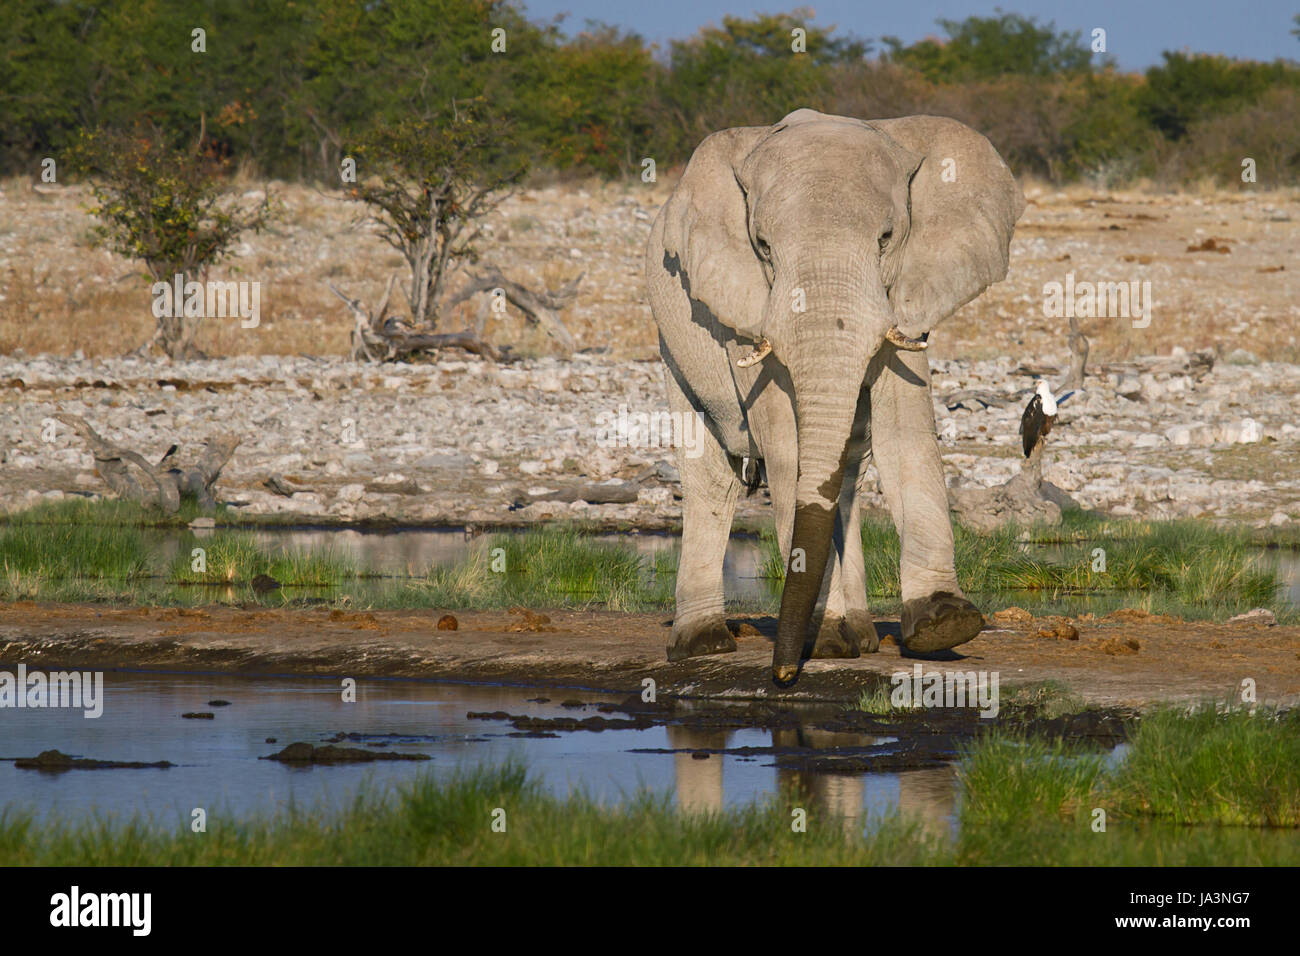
[466, 441]
[458, 440]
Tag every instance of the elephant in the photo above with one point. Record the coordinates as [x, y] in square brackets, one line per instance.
[795, 274]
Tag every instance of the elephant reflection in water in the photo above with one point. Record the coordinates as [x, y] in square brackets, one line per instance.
[928, 796]
[699, 782]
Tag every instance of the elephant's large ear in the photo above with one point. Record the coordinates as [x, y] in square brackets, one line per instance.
[964, 206]
[706, 228]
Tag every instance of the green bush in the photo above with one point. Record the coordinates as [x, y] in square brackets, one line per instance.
[979, 48]
[1193, 87]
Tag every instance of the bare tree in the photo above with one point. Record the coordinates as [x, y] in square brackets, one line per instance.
[428, 185]
[540, 308]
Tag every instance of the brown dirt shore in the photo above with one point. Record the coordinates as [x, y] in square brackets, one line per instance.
[1125, 659]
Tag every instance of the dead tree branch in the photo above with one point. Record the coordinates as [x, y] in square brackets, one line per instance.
[1024, 499]
[377, 335]
[1078, 359]
[540, 308]
[156, 485]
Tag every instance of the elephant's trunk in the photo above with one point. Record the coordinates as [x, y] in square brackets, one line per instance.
[821, 472]
[827, 380]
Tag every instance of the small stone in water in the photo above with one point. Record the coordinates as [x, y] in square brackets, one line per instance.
[263, 583]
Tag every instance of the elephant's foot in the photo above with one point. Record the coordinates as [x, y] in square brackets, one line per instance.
[708, 636]
[861, 624]
[835, 638]
[939, 622]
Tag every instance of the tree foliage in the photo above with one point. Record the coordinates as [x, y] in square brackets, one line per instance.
[979, 48]
[1188, 88]
[285, 85]
[746, 72]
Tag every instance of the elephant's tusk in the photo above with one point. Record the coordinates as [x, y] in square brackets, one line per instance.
[761, 351]
[903, 342]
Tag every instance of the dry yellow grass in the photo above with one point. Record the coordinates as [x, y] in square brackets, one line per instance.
[62, 295]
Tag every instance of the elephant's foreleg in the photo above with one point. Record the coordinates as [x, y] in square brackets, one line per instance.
[709, 489]
[905, 448]
[857, 617]
[782, 473]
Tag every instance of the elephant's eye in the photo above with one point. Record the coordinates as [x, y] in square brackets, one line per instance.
[885, 237]
[764, 249]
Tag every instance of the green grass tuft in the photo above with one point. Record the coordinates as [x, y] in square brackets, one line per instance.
[1190, 569]
[548, 567]
[235, 557]
[1010, 778]
[73, 550]
[1214, 765]
[1045, 699]
[82, 550]
[448, 822]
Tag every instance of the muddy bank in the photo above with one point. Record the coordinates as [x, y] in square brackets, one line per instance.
[1124, 659]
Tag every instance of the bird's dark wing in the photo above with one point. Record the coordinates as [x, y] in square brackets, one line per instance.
[1031, 423]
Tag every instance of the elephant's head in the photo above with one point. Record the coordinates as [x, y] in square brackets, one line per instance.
[830, 237]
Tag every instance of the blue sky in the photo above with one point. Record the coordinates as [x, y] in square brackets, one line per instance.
[1137, 30]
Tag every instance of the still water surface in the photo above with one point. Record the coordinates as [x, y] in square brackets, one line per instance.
[218, 766]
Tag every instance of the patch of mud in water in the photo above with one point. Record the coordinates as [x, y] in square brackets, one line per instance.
[818, 738]
[710, 755]
[302, 752]
[55, 761]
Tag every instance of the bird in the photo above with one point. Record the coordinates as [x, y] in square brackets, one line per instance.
[1039, 416]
